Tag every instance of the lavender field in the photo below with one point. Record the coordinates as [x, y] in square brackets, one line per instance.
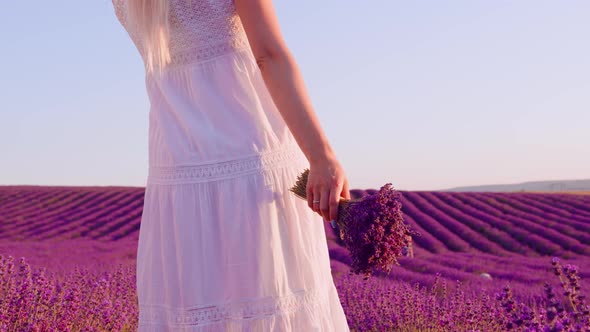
[482, 262]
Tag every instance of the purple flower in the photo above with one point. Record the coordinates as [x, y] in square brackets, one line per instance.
[373, 230]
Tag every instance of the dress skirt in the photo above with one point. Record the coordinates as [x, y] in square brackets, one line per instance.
[223, 244]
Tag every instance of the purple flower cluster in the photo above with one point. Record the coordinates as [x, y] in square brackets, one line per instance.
[30, 300]
[371, 227]
[33, 301]
[570, 281]
[381, 305]
[373, 230]
[555, 316]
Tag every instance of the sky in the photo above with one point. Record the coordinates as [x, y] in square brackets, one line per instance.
[426, 95]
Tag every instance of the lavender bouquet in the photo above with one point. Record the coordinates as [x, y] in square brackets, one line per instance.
[371, 227]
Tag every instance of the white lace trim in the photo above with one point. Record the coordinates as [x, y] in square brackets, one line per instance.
[197, 55]
[290, 155]
[199, 30]
[259, 308]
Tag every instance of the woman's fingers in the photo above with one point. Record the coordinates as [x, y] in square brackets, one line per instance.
[313, 194]
[333, 201]
[310, 195]
[345, 190]
[325, 204]
[325, 191]
[316, 200]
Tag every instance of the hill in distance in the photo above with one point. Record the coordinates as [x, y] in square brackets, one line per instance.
[546, 186]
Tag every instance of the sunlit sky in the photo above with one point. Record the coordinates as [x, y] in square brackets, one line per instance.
[422, 94]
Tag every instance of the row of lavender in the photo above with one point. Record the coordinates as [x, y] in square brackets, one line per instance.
[36, 301]
[497, 223]
[465, 227]
[500, 223]
[42, 213]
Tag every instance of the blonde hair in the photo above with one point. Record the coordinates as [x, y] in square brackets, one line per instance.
[150, 17]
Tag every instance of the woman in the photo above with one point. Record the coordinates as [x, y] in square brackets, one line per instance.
[223, 244]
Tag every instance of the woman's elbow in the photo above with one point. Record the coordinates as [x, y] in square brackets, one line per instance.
[267, 55]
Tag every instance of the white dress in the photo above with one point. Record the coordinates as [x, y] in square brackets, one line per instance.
[223, 244]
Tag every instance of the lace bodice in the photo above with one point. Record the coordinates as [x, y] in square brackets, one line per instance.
[199, 29]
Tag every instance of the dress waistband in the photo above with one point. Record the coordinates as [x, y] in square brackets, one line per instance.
[287, 156]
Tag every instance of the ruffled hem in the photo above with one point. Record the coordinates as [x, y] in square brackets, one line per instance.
[302, 311]
[223, 250]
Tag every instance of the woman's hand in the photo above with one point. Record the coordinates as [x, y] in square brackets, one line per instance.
[326, 183]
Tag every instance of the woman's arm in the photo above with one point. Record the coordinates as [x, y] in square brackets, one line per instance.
[282, 76]
[326, 180]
